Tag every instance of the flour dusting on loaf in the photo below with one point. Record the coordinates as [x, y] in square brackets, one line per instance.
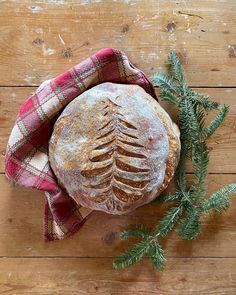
[114, 148]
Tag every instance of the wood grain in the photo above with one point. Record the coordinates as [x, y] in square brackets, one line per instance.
[41, 40]
[222, 145]
[73, 276]
[21, 213]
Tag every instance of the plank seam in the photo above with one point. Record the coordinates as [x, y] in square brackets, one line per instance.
[112, 257]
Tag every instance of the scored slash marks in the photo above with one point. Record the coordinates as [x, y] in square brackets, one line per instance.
[115, 157]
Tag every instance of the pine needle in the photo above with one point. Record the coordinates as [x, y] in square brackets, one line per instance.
[189, 226]
[217, 121]
[167, 95]
[157, 256]
[167, 198]
[189, 126]
[203, 101]
[175, 66]
[220, 200]
[168, 221]
[139, 231]
[163, 80]
[200, 160]
[132, 256]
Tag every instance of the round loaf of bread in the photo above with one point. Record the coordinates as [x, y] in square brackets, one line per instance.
[114, 148]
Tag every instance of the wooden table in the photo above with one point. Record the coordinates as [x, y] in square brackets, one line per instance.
[39, 40]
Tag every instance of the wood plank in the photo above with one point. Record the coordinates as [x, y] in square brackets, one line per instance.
[21, 228]
[96, 276]
[41, 40]
[222, 145]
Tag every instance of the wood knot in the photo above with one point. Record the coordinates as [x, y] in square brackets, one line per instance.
[67, 53]
[171, 27]
[125, 29]
[38, 41]
[232, 50]
[110, 238]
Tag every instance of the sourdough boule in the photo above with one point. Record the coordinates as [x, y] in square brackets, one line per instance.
[114, 148]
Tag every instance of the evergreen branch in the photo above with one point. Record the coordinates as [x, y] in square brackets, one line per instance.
[200, 116]
[168, 221]
[220, 200]
[216, 121]
[189, 200]
[175, 67]
[137, 231]
[157, 256]
[169, 96]
[200, 163]
[189, 227]
[189, 127]
[167, 198]
[164, 81]
[132, 255]
[203, 101]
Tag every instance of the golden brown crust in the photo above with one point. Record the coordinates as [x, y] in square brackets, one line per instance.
[174, 147]
[114, 148]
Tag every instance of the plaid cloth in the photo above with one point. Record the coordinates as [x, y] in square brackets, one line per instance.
[26, 160]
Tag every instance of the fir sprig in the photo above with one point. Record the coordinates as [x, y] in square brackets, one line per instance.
[189, 202]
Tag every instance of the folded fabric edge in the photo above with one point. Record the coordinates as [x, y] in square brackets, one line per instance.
[53, 231]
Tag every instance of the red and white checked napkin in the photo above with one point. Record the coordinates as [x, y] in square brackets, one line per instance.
[26, 160]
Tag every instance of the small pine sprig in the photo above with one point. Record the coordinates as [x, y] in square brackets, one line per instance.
[220, 200]
[189, 202]
[133, 254]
